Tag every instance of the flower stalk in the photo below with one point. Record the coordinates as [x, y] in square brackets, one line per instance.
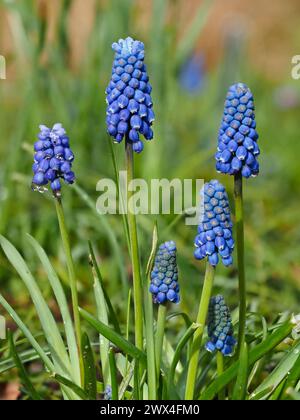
[239, 213]
[160, 332]
[134, 248]
[201, 320]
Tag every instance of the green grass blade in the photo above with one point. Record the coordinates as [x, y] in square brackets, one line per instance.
[114, 337]
[103, 317]
[293, 394]
[52, 334]
[71, 385]
[240, 389]
[49, 365]
[281, 371]
[254, 355]
[26, 382]
[121, 198]
[292, 379]
[63, 306]
[90, 374]
[25, 357]
[180, 346]
[113, 374]
[112, 314]
[115, 246]
[127, 379]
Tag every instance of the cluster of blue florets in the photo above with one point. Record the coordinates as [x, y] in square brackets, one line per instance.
[220, 329]
[108, 393]
[52, 159]
[129, 102]
[164, 277]
[214, 237]
[237, 142]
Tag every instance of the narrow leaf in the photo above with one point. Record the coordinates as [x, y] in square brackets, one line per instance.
[63, 306]
[113, 374]
[102, 316]
[112, 314]
[69, 384]
[26, 382]
[114, 337]
[49, 365]
[240, 389]
[52, 334]
[279, 373]
[90, 374]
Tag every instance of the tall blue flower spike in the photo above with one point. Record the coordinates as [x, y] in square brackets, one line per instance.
[237, 142]
[220, 329]
[164, 277]
[214, 237]
[52, 159]
[129, 102]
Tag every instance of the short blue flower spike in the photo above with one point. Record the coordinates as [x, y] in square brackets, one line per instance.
[164, 277]
[237, 142]
[214, 237]
[108, 393]
[220, 329]
[129, 103]
[53, 159]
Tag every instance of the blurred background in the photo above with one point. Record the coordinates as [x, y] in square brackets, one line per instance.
[58, 57]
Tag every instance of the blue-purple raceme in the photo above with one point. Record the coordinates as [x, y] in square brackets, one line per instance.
[220, 329]
[129, 103]
[164, 277]
[214, 239]
[53, 159]
[237, 142]
[108, 393]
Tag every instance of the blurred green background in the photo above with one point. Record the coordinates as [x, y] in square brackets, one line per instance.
[59, 60]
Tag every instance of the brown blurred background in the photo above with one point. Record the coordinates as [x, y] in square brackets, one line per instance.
[268, 27]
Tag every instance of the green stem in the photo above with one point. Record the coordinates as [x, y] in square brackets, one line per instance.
[150, 346]
[137, 282]
[113, 374]
[201, 320]
[239, 214]
[72, 276]
[161, 323]
[220, 370]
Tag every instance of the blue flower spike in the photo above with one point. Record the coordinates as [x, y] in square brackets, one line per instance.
[164, 277]
[108, 393]
[214, 239]
[220, 329]
[237, 142]
[128, 95]
[53, 160]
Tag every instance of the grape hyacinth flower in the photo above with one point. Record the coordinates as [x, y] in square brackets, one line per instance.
[164, 277]
[214, 237]
[52, 159]
[237, 142]
[220, 329]
[129, 102]
[192, 74]
[108, 393]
